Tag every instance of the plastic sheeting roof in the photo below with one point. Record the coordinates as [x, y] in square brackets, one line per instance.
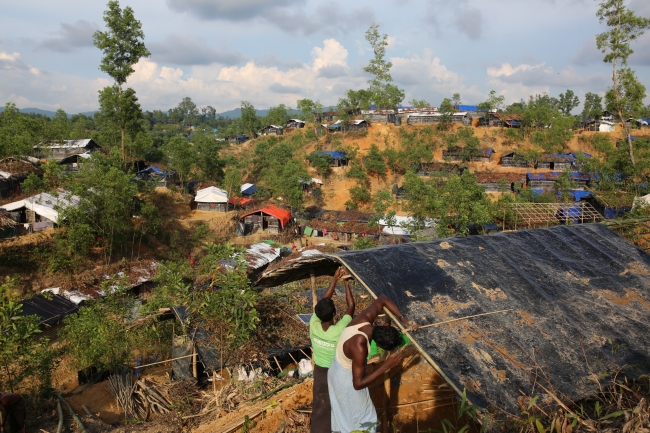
[553, 175]
[247, 188]
[335, 155]
[44, 204]
[571, 290]
[49, 311]
[211, 194]
[283, 215]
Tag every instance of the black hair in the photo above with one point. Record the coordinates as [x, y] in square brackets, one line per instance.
[325, 310]
[387, 337]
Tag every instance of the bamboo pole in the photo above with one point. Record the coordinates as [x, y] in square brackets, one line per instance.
[194, 369]
[424, 354]
[314, 296]
[168, 360]
[465, 318]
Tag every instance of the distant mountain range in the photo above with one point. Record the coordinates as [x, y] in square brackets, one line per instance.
[47, 113]
[234, 114]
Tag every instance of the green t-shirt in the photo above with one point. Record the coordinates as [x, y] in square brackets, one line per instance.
[323, 343]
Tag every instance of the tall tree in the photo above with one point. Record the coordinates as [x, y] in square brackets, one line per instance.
[493, 102]
[121, 109]
[593, 106]
[568, 101]
[626, 95]
[16, 132]
[249, 118]
[384, 94]
[307, 109]
[181, 156]
[123, 46]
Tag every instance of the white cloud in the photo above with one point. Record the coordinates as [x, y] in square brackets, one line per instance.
[71, 37]
[190, 50]
[519, 82]
[427, 78]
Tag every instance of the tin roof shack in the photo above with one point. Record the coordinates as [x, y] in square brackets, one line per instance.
[452, 154]
[327, 116]
[162, 179]
[537, 288]
[61, 149]
[357, 125]
[546, 181]
[437, 117]
[272, 130]
[439, 169]
[72, 162]
[502, 119]
[399, 192]
[212, 199]
[513, 159]
[270, 219]
[337, 159]
[295, 123]
[501, 182]
[379, 115]
[342, 225]
[51, 310]
[42, 211]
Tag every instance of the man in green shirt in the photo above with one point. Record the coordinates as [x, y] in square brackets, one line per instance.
[324, 335]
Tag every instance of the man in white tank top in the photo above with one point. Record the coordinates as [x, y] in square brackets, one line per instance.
[351, 406]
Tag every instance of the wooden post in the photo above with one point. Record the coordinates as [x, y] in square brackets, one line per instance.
[385, 416]
[194, 372]
[314, 295]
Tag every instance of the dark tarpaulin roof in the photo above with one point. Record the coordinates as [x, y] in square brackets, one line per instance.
[50, 311]
[572, 290]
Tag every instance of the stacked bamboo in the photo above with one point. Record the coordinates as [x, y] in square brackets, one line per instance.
[137, 399]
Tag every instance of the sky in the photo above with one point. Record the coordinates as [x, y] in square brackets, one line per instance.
[220, 52]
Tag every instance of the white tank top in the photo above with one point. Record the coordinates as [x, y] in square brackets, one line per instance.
[348, 333]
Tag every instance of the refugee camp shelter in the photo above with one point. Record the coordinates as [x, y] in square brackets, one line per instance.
[50, 310]
[560, 161]
[162, 179]
[337, 159]
[295, 123]
[438, 169]
[212, 199]
[237, 139]
[557, 299]
[272, 130]
[487, 155]
[43, 210]
[7, 226]
[546, 181]
[502, 119]
[357, 125]
[13, 171]
[71, 162]
[437, 117]
[606, 126]
[270, 219]
[61, 149]
[513, 159]
[247, 189]
[501, 181]
[340, 225]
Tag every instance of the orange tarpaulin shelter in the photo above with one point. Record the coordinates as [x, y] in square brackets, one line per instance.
[283, 215]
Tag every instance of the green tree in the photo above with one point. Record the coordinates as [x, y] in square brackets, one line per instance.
[320, 162]
[123, 46]
[232, 180]
[308, 108]
[59, 127]
[626, 95]
[568, 101]
[186, 111]
[456, 99]
[359, 195]
[25, 357]
[493, 102]
[182, 157]
[207, 156]
[278, 115]
[374, 162]
[419, 104]
[593, 106]
[384, 94]
[447, 111]
[249, 119]
[16, 132]
[119, 111]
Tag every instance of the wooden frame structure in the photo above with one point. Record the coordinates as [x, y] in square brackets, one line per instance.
[532, 215]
